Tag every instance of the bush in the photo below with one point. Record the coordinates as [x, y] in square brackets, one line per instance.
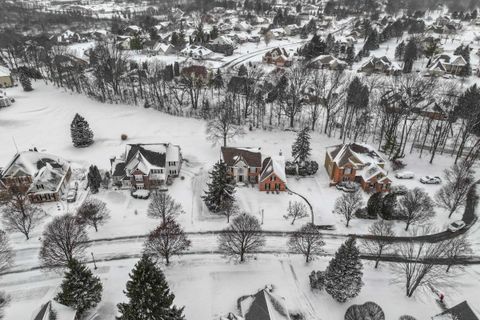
[317, 280]
[362, 213]
[308, 168]
[398, 165]
[407, 317]
[367, 311]
[123, 137]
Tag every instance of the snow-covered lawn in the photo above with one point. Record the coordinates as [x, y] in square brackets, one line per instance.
[209, 286]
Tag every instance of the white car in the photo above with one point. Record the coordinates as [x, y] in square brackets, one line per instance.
[456, 225]
[405, 175]
[430, 180]
[72, 195]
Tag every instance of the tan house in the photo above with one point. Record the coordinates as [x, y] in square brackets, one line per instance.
[244, 164]
[358, 163]
[44, 177]
[6, 80]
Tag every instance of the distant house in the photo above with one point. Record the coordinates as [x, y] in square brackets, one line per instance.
[264, 305]
[146, 166]
[461, 311]
[244, 164]
[68, 37]
[327, 62]
[380, 65]
[133, 30]
[242, 26]
[442, 64]
[359, 163]
[393, 102]
[196, 52]
[273, 176]
[164, 49]
[44, 177]
[277, 56]
[6, 79]
[55, 310]
[292, 30]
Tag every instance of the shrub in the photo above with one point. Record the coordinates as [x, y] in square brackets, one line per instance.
[367, 311]
[317, 280]
[407, 317]
[362, 213]
[123, 137]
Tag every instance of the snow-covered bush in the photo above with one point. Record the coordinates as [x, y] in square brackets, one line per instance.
[123, 137]
[317, 280]
[367, 311]
[407, 317]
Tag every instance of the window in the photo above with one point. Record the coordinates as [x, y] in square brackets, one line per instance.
[347, 170]
[139, 178]
[173, 171]
[272, 178]
[240, 170]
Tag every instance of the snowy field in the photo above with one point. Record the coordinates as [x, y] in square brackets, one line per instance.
[208, 286]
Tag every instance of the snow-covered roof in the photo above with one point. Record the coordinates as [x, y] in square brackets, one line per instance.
[264, 305]
[4, 72]
[29, 163]
[274, 165]
[355, 153]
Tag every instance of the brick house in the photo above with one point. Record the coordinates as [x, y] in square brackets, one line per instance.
[273, 176]
[44, 177]
[358, 163]
[146, 166]
[278, 57]
[244, 164]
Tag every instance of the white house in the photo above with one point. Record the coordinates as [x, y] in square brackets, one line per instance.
[196, 52]
[146, 166]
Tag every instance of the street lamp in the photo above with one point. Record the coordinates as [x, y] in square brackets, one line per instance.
[94, 264]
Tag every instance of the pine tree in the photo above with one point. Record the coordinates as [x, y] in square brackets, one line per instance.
[82, 135]
[373, 41]
[343, 277]
[411, 53]
[301, 147]
[149, 297]
[400, 51]
[220, 188]
[25, 82]
[94, 179]
[80, 289]
[374, 204]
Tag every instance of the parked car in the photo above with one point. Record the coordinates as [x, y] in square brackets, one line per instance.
[348, 186]
[456, 225]
[405, 175]
[430, 180]
[72, 195]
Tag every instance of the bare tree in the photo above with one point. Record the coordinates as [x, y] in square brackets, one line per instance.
[381, 232]
[243, 236]
[63, 239]
[296, 210]
[418, 265]
[292, 98]
[6, 255]
[164, 207]
[453, 194]
[222, 127]
[93, 212]
[229, 208]
[417, 207]
[307, 241]
[167, 240]
[456, 248]
[348, 204]
[19, 213]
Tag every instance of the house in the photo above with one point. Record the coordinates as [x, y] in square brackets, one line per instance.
[6, 79]
[244, 164]
[380, 65]
[442, 64]
[277, 56]
[69, 37]
[146, 166]
[54, 310]
[273, 176]
[461, 311]
[242, 26]
[44, 177]
[264, 305]
[359, 163]
[164, 49]
[292, 30]
[327, 62]
[222, 44]
[196, 52]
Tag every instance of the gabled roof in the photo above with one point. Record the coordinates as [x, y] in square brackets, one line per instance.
[273, 165]
[461, 311]
[264, 306]
[29, 163]
[354, 153]
[252, 157]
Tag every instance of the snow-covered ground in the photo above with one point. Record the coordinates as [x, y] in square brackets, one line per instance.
[42, 119]
[209, 286]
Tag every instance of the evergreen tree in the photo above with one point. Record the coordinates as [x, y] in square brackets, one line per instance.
[217, 81]
[25, 82]
[464, 51]
[80, 289]
[220, 188]
[373, 41]
[94, 179]
[374, 204]
[82, 135]
[242, 71]
[301, 147]
[149, 297]
[343, 277]
[400, 51]
[214, 33]
[350, 58]
[411, 54]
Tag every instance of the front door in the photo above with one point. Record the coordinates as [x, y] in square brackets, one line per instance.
[240, 178]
